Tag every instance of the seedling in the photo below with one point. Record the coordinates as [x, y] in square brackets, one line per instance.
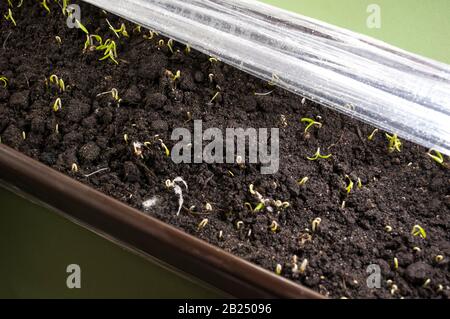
[57, 128]
[317, 155]
[45, 6]
[438, 158]
[9, 17]
[315, 224]
[173, 77]
[178, 190]
[114, 93]
[426, 283]
[58, 39]
[110, 50]
[59, 82]
[57, 105]
[24, 135]
[350, 184]
[187, 49]
[303, 181]
[125, 137]
[170, 45]
[395, 263]
[166, 150]
[239, 224]
[274, 80]
[310, 123]
[202, 224]
[208, 207]
[359, 183]
[137, 147]
[372, 135]
[122, 30]
[259, 207]
[278, 269]
[220, 236]
[388, 228]
[438, 258]
[394, 143]
[74, 168]
[417, 249]
[4, 80]
[274, 227]
[212, 60]
[419, 231]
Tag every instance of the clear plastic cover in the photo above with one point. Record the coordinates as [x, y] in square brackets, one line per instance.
[362, 77]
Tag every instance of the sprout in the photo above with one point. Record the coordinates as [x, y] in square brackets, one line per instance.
[122, 30]
[395, 263]
[417, 249]
[172, 76]
[264, 94]
[137, 147]
[110, 49]
[114, 93]
[426, 283]
[350, 184]
[372, 135]
[438, 158]
[187, 49]
[59, 82]
[212, 59]
[24, 135]
[251, 189]
[57, 128]
[74, 168]
[388, 228]
[58, 39]
[44, 4]
[275, 79]
[82, 27]
[208, 207]
[394, 289]
[125, 137]
[278, 269]
[394, 143]
[166, 150]
[57, 105]
[438, 258]
[419, 231]
[4, 80]
[137, 29]
[359, 183]
[170, 45]
[303, 181]
[220, 236]
[9, 17]
[274, 227]
[178, 190]
[315, 224]
[239, 224]
[214, 97]
[259, 207]
[317, 155]
[310, 123]
[202, 224]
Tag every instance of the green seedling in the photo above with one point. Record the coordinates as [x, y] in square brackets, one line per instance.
[166, 150]
[45, 6]
[438, 158]
[278, 269]
[202, 224]
[212, 60]
[9, 17]
[259, 207]
[4, 80]
[274, 227]
[303, 181]
[372, 135]
[310, 123]
[122, 30]
[394, 143]
[170, 45]
[65, 4]
[359, 183]
[350, 184]
[110, 50]
[395, 263]
[114, 93]
[173, 77]
[317, 155]
[419, 231]
[59, 82]
[57, 105]
[137, 29]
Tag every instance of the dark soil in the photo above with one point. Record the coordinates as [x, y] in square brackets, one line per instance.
[398, 189]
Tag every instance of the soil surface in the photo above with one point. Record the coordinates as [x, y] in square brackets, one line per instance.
[96, 133]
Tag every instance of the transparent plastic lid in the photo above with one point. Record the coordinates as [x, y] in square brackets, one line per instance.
[382, 85]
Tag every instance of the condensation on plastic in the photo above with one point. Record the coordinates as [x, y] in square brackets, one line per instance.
[364, 78]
